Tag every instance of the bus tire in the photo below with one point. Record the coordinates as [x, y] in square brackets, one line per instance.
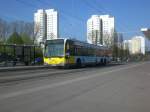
[78, 63]
[26, 63]
[67, 66]
[105, 62]
[101, 63]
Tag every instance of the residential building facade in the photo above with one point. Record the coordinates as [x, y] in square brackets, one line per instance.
[39, 26]
[52, 24]
[108, 29]
[136, 45]
[100, 29]
[46, 26]
[94, 30]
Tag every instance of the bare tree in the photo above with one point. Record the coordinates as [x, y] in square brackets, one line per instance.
[21, 27]
[108, 39]
[3, 30]
[36, 32]
[52, 36]
[7, 28]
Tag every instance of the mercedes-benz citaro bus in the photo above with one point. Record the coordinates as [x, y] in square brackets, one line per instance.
[69, 52]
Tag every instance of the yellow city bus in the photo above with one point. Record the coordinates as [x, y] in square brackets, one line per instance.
[70, 52]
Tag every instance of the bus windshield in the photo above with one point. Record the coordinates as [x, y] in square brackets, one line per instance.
[54, 48]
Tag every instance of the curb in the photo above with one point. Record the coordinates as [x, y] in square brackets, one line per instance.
[21, 68]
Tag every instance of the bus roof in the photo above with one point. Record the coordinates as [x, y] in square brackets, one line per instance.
[82, 43]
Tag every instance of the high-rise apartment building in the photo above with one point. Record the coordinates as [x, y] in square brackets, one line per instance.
[138, 45]
[39, 25]
[108, 29]
[100, 29]
[46, 25]
[94, 30]
[52, 24]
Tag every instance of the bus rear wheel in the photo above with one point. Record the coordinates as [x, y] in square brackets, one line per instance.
[78, 63]
[105, 62]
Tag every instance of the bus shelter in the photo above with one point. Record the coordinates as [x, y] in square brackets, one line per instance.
[18, 54]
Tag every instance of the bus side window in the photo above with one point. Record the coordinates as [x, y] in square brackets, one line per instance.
[72, 50]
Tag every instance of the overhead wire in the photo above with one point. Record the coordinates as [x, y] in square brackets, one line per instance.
[121, 25]
[67, 15]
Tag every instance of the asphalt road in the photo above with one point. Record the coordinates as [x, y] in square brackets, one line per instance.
[122, 88]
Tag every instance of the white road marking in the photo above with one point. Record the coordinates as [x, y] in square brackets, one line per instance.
[31, 90]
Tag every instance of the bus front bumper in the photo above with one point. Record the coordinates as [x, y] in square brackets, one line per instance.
[54, 65]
